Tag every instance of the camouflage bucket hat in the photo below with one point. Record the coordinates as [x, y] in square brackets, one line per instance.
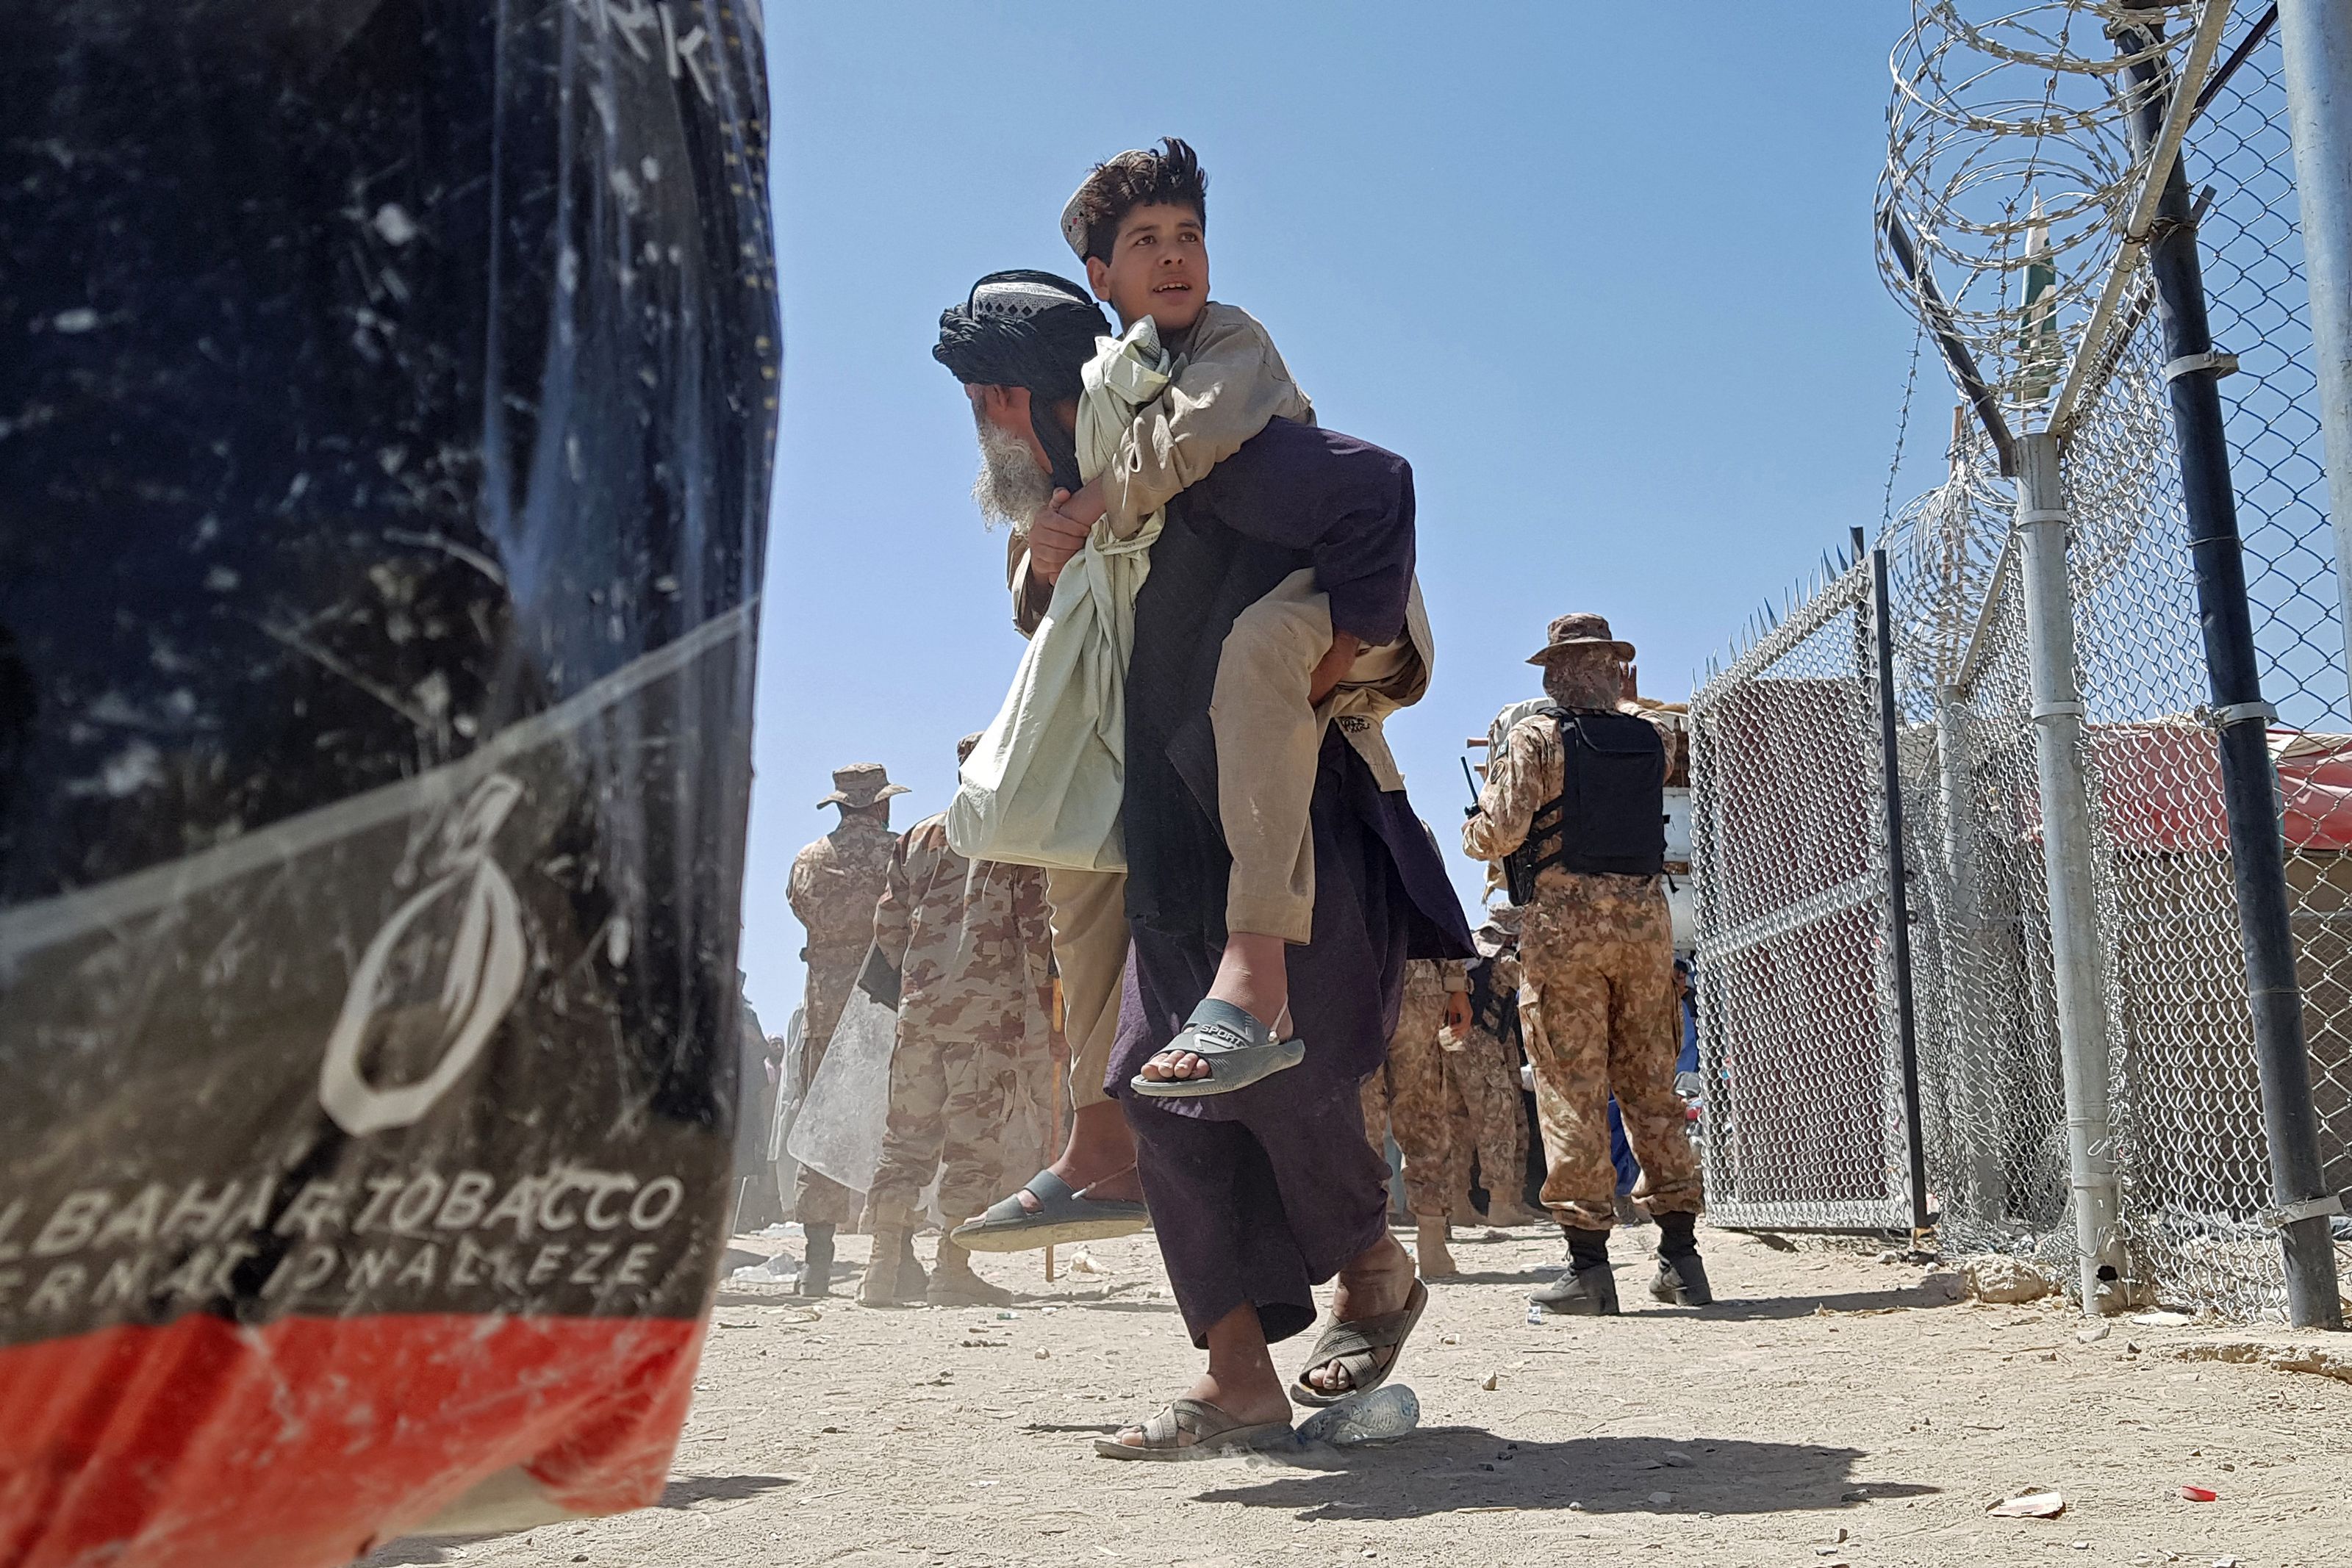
[970, 743]
[1570, 633]
[861, 784]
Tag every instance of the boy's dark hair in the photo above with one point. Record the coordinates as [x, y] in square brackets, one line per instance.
[1168, 175]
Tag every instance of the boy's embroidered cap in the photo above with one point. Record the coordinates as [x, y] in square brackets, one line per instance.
[1074, 224]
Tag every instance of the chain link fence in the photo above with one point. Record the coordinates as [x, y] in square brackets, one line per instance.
[1796, 993]
[1795, 980]
[2262, 311]
[1992, 1110]
[2195, 1168]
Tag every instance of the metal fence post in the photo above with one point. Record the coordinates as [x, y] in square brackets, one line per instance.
[2315, 50]
[1898, 901]
[2249, 781]
[1978, 1082]
[2075, 947]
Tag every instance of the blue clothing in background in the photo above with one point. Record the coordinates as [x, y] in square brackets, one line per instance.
[1620, 1152]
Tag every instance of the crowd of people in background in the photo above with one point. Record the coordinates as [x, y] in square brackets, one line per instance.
[1455, 1109]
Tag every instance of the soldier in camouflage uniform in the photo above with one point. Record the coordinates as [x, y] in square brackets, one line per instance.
[1597, 1003]
[836, 882]
[969, 941]
[1482, 1069]
[1405, 1096]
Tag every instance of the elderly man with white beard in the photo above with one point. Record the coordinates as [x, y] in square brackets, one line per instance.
[1091, 1191]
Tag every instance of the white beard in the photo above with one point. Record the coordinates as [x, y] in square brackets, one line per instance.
[1010, 488]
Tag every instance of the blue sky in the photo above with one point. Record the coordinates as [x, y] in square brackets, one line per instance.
[1603, 274]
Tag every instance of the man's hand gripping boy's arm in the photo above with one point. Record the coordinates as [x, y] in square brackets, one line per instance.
[1034, 560]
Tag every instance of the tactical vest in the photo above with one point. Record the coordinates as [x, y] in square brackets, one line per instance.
[1610, 815]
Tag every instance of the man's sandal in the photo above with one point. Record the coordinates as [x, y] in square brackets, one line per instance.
[1238, 1048]
[1212, 1430]
[1352, 1343]
[1060, 1218]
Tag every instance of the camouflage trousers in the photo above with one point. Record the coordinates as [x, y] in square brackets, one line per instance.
[1486, 1114]
[819, 1200]
[1598, 1011]
[1406, 1096]
[951, 1098]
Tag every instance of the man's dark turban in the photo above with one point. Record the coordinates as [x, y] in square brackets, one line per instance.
[1026, 329]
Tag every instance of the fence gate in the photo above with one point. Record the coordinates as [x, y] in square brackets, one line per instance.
[1798, 1030]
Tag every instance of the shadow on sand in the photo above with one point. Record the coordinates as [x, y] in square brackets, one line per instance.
[1542, 1275]
[684, 1494]
[1633, 1287]
[1439, 1470]
[1937, 1289]
[688, 1490]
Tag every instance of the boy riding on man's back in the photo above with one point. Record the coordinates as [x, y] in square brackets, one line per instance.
[1138, 223]
[1212, 380]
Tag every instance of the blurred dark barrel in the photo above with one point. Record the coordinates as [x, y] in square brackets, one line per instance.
[387, 407]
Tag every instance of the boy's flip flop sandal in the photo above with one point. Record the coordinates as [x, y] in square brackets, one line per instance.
[1238, 1048]
[1061, 1216]
[1212, 1430]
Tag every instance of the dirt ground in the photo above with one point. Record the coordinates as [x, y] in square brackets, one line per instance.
[1831, 1409]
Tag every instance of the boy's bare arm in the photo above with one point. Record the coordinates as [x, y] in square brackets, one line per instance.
[1054, 538]
[1034, 560]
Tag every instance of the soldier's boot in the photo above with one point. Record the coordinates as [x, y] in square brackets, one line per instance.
[885, 1281]
[914, 1285]
[1505, 1213]
[816, 1263]
[1429, 1248]
[1587, 1287]
[1681, 1279]
[1628, 1212]
[953, 1283]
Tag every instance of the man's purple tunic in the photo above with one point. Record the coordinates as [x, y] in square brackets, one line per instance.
[1259, 1195]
